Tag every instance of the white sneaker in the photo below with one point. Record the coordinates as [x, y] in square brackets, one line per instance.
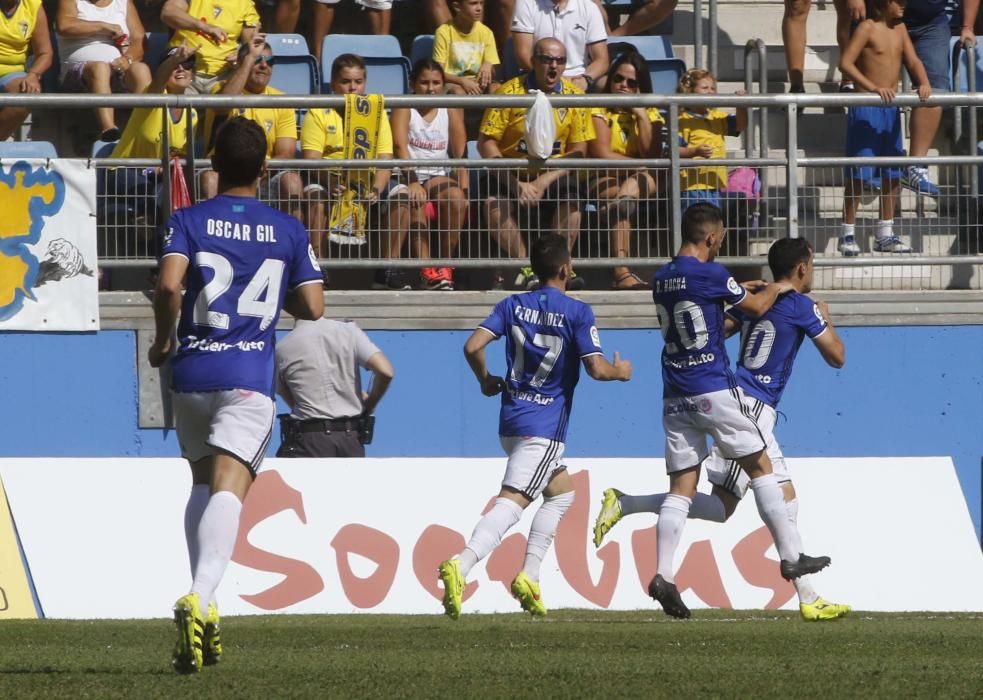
[849, 247]
[890, 244]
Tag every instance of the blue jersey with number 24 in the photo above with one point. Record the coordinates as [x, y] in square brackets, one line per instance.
[243, 257]
[546, 334]
[689, 302]
[769, 344]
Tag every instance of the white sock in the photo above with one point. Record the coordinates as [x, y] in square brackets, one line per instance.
[544, 525]
[669, 530]
[803, 586]
[217, 533]
[650, 503]
[708, 506]
[489, 531]
[848, 230]
[705, 506]
[197, 500]
[771, 506]
[885, 228]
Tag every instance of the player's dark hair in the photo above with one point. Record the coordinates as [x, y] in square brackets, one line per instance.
[346, 60]
[698, 219]
[244, 51]
[785, 255]
[877, 8]
[425, 64]
[549, 253]
[240, 151]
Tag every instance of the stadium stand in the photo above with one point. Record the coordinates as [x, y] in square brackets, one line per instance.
[665, 74]
[422, 47]
[295, 71]
[650, 47]
[388, 68]
[103, 149]
[154, 48]
[27, 149]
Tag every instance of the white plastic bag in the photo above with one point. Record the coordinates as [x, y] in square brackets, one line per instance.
[540, 127]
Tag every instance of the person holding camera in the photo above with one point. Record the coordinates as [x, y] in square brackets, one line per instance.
[317, 375]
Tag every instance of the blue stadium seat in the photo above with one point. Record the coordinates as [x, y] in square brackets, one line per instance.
[295, 75]
[288, 44]
[472, 153]
[422, 48]
[510, 65]
[27, 149]
[154, 48]
[665, 74]
[386, 76]
[103, 149]
[651, 47]
[388, 68]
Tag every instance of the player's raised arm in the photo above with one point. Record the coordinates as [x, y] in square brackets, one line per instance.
[828, 343]
[474, 352]
[600, 369]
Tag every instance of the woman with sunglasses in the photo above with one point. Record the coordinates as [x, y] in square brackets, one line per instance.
[625, 134]
[434, 193]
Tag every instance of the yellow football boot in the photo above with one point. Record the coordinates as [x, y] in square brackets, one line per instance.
[609, 516]
[190, 631]
[821, 609]
[212, 643]
[527, 592]
[450, 574]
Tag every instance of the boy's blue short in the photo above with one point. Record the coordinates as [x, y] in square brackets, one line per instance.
[872, 132]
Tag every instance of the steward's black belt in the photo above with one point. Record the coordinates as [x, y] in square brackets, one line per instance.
[323, 425]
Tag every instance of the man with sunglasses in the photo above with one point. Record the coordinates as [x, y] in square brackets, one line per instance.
[254, 67]
[550, 196]
[577, 24]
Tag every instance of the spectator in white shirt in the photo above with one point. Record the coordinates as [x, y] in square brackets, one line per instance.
[578, 24]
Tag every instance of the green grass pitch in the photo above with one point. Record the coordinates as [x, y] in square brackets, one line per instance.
[570, 654]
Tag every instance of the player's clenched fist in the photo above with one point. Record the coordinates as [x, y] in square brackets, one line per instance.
[492, 385]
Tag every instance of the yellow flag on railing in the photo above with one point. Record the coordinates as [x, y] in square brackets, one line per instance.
[363, 120]
[16, 599]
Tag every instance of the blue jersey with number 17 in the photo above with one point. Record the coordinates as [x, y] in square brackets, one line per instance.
[546, 334]
[769, 344]
[689, 302]
[243, 257]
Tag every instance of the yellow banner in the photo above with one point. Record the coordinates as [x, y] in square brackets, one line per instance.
[363, 119]
[16, 601]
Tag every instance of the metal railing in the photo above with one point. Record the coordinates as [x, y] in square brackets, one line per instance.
[803, 196]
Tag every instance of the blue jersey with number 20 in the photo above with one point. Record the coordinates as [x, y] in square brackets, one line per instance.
[769, 344]
[243, 257]
[689, 302]
[546, 335]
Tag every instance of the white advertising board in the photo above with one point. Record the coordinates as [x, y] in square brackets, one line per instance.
[345, 536]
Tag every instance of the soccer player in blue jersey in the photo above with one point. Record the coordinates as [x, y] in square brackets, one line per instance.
[548, 335]
[701, 396]
[769, 346]
[239, 260]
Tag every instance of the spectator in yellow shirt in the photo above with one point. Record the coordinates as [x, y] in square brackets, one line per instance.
[23, 31]
[254, 66]
[625, 134]
[322, 136]
[552, 195]
[216, 27]
[465, 48]
[701, 136]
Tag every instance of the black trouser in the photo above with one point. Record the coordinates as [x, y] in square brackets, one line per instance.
[320, 438]
[333, 444]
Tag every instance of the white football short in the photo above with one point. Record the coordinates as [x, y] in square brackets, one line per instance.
[720, 414]
[532, 463]
[367, 4]
[237, 421]
[728, 475]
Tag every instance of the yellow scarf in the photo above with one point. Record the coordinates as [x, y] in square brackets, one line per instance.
[363, 119]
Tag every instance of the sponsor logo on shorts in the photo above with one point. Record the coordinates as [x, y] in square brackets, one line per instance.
[706, 405]
[674, 409]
